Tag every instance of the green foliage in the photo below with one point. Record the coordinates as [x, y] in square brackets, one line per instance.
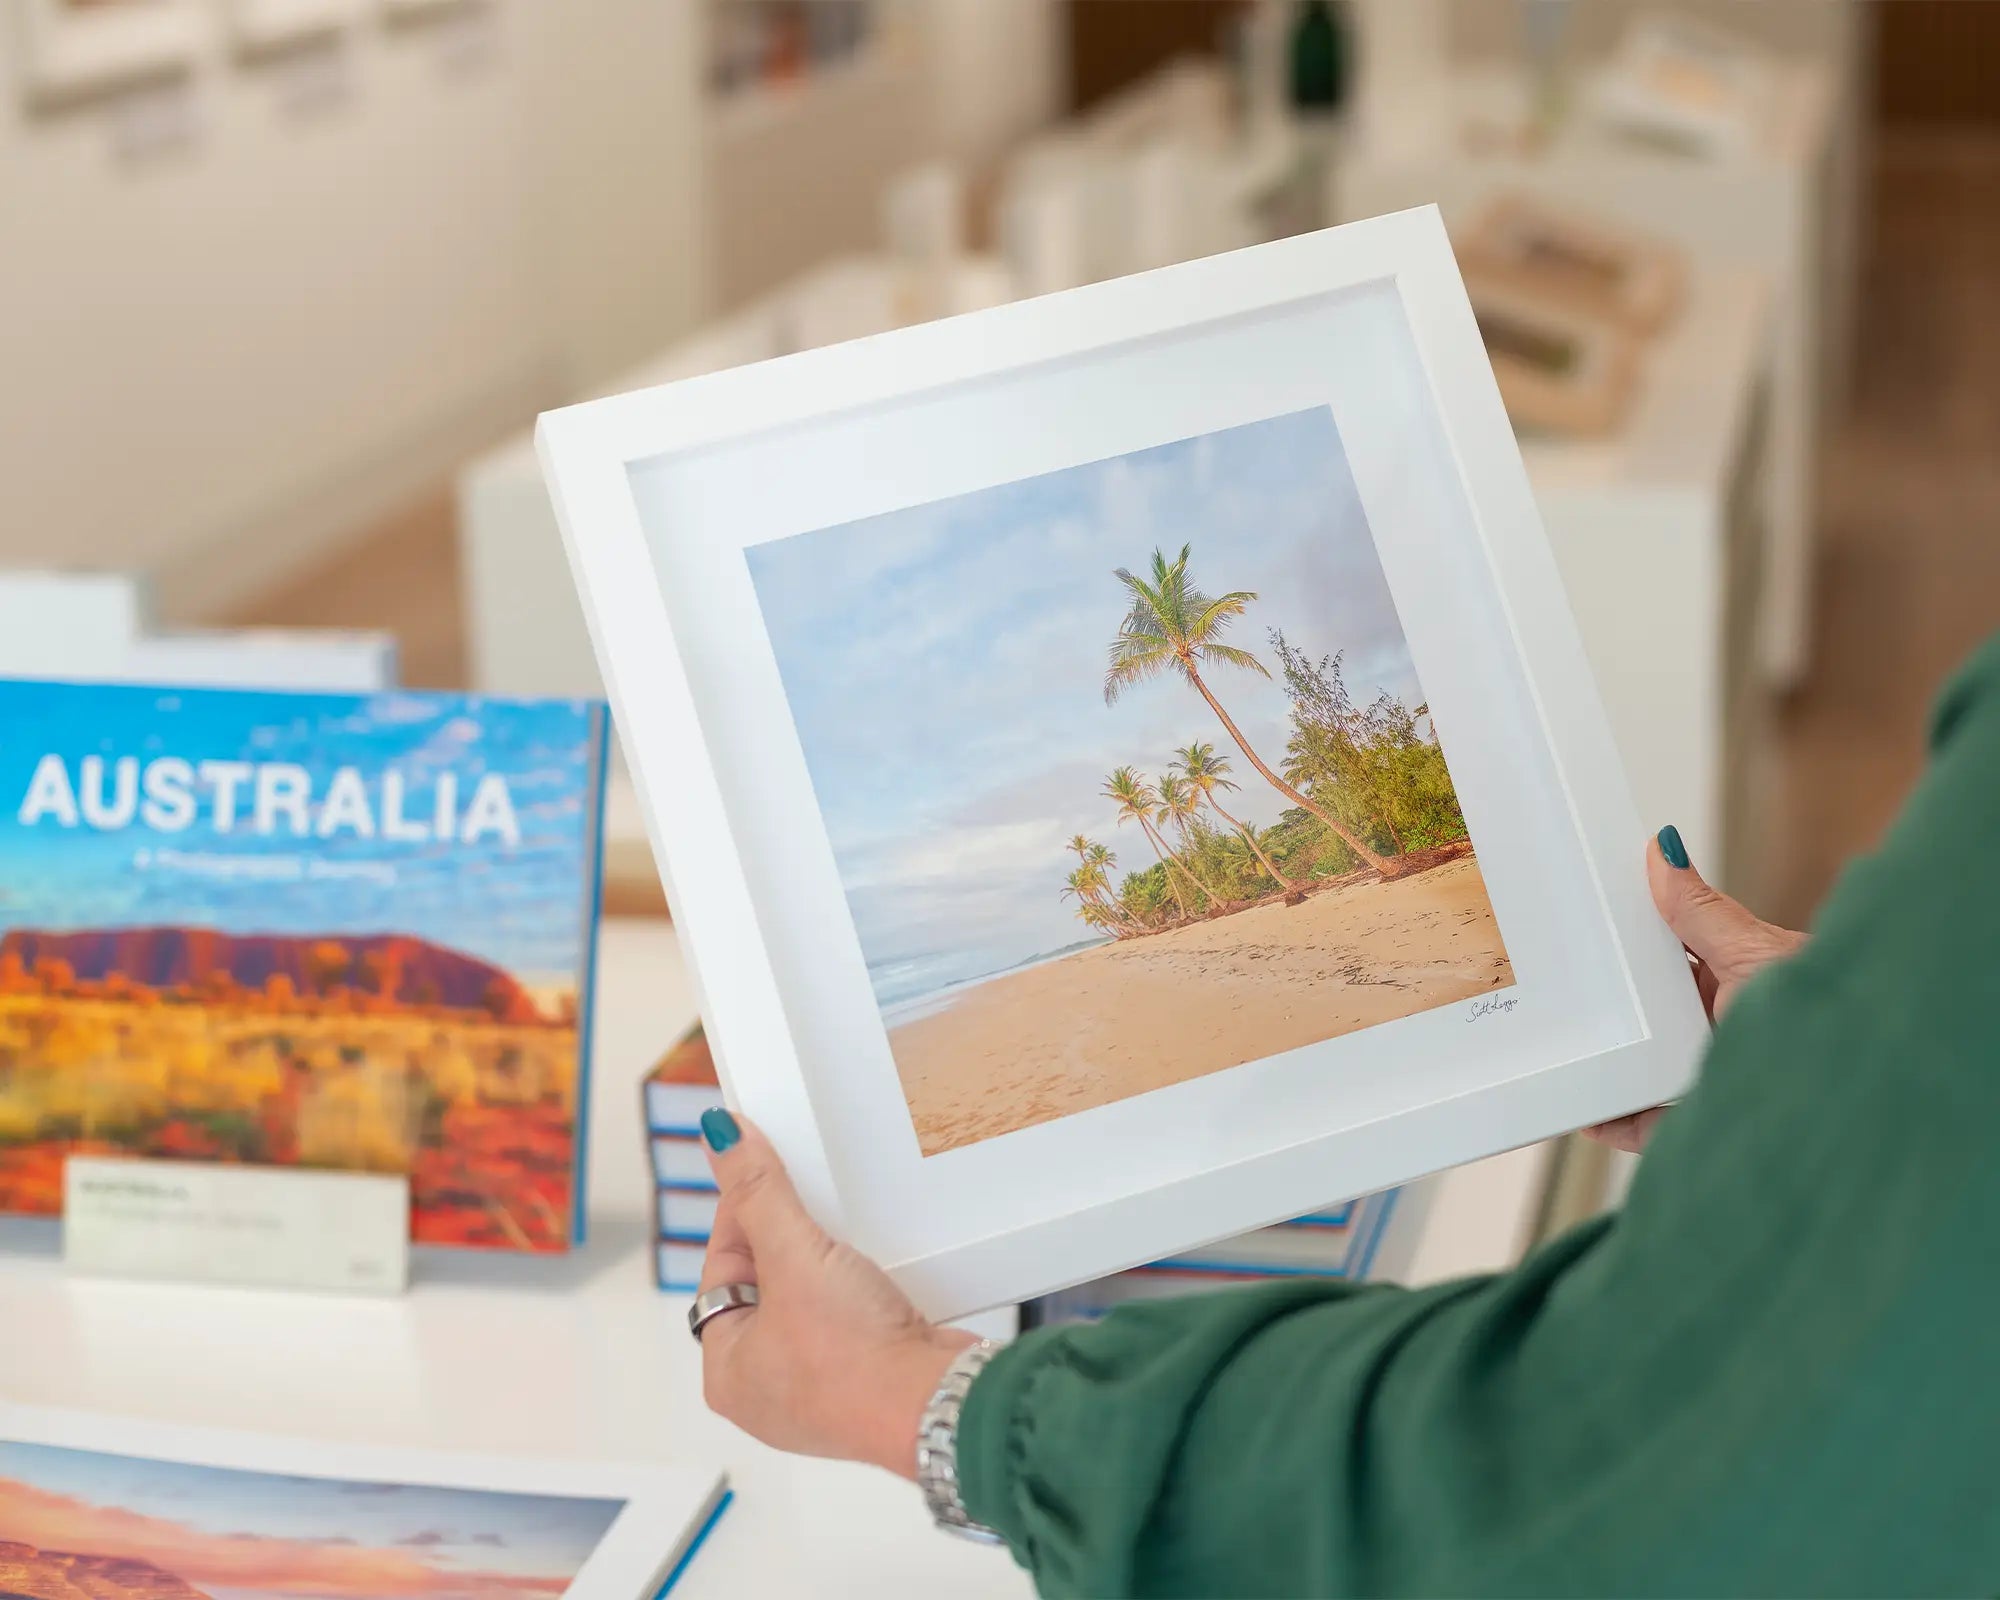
[1305, 847]
[1146, 898]
[1223, 858]
[429, 1114]
[237, 1132]
[1368, 766]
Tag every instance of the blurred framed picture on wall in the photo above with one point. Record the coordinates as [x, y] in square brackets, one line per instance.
[77, 47]
[270, 25]
[1122, 763]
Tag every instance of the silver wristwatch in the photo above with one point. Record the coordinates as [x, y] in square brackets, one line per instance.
[937, 1444]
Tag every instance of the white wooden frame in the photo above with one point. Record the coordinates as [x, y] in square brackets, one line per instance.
[667, 1509]
[66, 51]
[1610, 1020]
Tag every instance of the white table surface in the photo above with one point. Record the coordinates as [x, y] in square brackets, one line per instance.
[579, 1357]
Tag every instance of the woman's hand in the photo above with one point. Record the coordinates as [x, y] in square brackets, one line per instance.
[1726, 942]
[833, 1360]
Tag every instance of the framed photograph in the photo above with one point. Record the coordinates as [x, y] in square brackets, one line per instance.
[94, 1505]
[72, 47]
[1583, 263]
[1560, 370]
[1123, 765]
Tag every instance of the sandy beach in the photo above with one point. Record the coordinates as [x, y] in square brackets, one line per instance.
[1127, 1018]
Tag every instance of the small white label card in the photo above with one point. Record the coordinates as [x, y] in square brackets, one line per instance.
[274, 1227]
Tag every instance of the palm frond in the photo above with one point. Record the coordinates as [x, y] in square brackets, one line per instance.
[1230, 656]
[1202, 767]
[1135, 657]
[1212, 616]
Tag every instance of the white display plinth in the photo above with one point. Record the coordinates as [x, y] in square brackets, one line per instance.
[1777, 210]
[1658, 534]
[576, 1357]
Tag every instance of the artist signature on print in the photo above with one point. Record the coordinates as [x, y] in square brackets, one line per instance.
[1492, 1006]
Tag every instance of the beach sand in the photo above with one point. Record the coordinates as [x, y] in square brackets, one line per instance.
[1127, 1018]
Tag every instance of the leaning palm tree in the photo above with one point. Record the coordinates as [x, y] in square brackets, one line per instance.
[1174, 627]
[1110, 921]
[1083, 887]
[1090, 885]
[1137, 801]
[1208, 775]
[1094, 864]
[1180, 807]
[1077, 886]
[1100, 859]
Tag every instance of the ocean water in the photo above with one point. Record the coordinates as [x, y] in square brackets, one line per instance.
[907, 988]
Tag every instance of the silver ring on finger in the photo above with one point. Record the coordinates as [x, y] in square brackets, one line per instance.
[712, 1303]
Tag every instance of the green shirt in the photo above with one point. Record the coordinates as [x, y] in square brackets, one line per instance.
[1776, 1371]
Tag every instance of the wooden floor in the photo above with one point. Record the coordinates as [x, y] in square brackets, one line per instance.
[1909, 557]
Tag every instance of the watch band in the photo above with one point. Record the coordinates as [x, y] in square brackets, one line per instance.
[937, 1444]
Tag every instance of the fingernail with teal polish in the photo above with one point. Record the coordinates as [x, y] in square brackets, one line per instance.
[719, 1128]
[1672, 848]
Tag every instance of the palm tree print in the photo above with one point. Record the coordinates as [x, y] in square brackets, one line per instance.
[1137, 801]
[1090, 883]
[1180, 808]
[1173, 627]
[1208, 775]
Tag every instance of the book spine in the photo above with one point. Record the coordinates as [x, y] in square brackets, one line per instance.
[679, 1163]
[684, 1216]
[1365, 1220]
[579, 1209]
[1378, 1225]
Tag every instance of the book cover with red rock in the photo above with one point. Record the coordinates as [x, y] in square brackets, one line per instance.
[299, 929]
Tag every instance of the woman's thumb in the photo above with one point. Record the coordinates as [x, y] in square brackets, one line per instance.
[753, 1180]
[1732, 942]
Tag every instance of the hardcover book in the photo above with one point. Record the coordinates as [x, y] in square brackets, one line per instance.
[342, 931]
[682, 1086]
[680, 1163]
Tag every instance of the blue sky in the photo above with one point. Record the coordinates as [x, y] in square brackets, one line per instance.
[945, 668]
[520, 908]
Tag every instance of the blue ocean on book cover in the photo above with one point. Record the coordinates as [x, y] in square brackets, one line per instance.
[341, 931]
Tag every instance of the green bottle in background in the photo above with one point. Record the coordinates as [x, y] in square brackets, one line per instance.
[1319, 57]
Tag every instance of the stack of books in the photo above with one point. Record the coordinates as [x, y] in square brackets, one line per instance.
[1336, 1243]
[677, 1092]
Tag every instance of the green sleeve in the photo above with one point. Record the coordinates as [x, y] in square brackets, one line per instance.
[1772, 1372]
